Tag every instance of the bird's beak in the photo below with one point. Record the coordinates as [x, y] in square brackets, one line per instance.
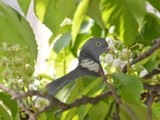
[107, 49]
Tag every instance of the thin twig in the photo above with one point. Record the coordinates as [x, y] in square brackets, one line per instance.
[86, 100]
[54, 102]
[152, 87]
[152, 73]
[116, 114]
[144, 55]
[149, 100]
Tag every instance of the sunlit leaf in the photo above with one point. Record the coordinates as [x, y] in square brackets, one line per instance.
[95, 7]
[82, 111]
[92, 86]
[4, 115]
[125, 16]
[75, 91]
[78, 17]
[14, 29]
[24, 4]
[53, 12]
[11, 104]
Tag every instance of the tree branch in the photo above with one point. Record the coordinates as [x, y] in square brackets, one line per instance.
[54, 102]
[149, 100]
[152, 73]
[144, 55]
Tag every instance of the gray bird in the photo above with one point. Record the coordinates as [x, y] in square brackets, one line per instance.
[89, 64]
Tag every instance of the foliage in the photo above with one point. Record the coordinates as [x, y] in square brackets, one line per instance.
[131, 30]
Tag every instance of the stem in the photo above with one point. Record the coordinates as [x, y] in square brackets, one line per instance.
[64, 62]
[128, 60]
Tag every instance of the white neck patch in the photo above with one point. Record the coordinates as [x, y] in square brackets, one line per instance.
[90, 65]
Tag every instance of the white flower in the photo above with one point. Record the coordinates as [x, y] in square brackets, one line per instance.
[41, 102]
[15, 47]
[110, 43]
[108, 59]
[143, 72]
[36, 82]
[118, 63]
[124, 50]
[32, 86]
[20, 80]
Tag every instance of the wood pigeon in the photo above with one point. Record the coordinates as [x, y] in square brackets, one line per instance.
[89, 64]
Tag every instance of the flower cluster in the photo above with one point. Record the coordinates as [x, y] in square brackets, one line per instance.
[116, 58]
[119, 56]
[17, 72]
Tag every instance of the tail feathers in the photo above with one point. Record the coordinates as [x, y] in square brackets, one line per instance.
[55, 85]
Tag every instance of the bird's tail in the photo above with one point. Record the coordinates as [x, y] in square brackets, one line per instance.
[54, 86]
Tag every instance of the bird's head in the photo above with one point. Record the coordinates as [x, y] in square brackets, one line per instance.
[93, 48]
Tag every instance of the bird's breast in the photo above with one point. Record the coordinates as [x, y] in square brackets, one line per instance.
[90, 65]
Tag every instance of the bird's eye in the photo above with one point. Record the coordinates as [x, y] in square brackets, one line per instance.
[98, 44]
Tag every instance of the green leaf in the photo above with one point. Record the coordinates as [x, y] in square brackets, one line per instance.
[78, 113]
[125, 16]
[68, 115]
[75, 90]
[150, 29]
[11, 104]
[129, 87]
[62, 61]
[24, 4]
[151, 64]
[53, 12]
[14, 29]
[139, 110]
[98, 111]
[94, 7]
[140, 63]
[78, 18]
[62, 42]
[4, 115]
[81, 39]
[156, 109]
[155, 3]
[96, 30]
[83, 110]
[92, 86]
[62, 30]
